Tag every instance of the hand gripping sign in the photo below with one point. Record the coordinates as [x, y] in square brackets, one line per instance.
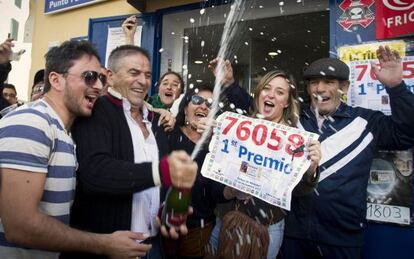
[259, 157]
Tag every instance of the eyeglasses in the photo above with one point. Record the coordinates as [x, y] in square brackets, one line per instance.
[38, 89]
[198, 100]
[90, 78]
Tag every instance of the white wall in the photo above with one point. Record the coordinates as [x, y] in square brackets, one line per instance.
[19, 76]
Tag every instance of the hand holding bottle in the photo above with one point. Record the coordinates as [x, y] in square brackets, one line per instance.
[183, 170]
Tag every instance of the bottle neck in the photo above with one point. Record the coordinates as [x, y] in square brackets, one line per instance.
[183, 190]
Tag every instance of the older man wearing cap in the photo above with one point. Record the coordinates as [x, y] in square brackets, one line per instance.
[330, 222]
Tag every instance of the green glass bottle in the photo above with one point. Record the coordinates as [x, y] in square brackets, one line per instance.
[176, 206]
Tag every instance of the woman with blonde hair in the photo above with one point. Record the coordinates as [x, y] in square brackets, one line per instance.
[275, 99]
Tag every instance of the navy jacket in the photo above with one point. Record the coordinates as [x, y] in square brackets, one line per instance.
[335, 213]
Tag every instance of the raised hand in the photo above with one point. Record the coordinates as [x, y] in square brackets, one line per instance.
[129, 26]
[227, 76]
[389, 71]
[204, 123]
[6, 51]
[167, 120]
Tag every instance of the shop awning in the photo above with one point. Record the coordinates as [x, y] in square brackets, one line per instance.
[140, 5]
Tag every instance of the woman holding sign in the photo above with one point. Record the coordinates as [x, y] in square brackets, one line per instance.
[205, 193]
[275, 99]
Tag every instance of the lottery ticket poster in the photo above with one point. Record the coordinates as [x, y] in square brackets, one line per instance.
[259, 157]
[366, 91]
[389, 188]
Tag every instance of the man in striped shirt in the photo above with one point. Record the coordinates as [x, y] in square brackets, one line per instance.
[38, 164]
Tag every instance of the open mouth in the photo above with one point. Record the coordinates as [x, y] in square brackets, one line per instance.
[269, 104]
[137, 90]
[321, 99]
[200, 114]
[91, 98]
[169, 94]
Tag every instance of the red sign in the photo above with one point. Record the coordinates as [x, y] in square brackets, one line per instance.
[394, 18]
[356, 12]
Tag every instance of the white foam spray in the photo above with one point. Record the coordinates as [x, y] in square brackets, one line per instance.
[229, 32]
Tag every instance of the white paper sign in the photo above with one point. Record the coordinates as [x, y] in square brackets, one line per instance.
[365, 89]
[388, 213]
[116, 37]
[259, 157]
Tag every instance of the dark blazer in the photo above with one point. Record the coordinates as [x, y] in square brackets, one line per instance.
[107, 175]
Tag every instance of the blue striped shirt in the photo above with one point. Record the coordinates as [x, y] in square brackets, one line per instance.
[33, 139]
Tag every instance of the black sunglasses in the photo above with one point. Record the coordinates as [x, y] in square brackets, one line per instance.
[90, 78]
[198, 100]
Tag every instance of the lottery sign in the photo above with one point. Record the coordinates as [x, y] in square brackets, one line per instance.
[261, 158]
[365, 89]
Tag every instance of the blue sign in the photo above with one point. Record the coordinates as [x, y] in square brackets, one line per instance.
[53, 6]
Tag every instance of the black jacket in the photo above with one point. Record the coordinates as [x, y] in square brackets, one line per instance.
[107, 175]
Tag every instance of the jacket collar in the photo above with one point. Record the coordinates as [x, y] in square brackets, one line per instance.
[341, 111]
[114, 96]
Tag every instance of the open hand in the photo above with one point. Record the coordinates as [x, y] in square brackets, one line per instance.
[389, 71]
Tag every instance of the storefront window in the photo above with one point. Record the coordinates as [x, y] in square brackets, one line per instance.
[286, 35]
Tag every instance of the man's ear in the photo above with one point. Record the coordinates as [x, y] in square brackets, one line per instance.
[110, 76]
[56, 81]
[308, 88]
[344, 86]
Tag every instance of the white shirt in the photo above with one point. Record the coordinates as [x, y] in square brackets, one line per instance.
[145, 204]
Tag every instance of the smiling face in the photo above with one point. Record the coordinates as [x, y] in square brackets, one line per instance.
[325, 94]
[194, 112]
[273, 99]
[132, 78]
[169, 89]
[79, 98]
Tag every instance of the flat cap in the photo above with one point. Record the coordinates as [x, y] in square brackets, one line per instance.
[327, 67]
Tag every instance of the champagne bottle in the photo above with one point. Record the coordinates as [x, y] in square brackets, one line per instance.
[176, 206]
